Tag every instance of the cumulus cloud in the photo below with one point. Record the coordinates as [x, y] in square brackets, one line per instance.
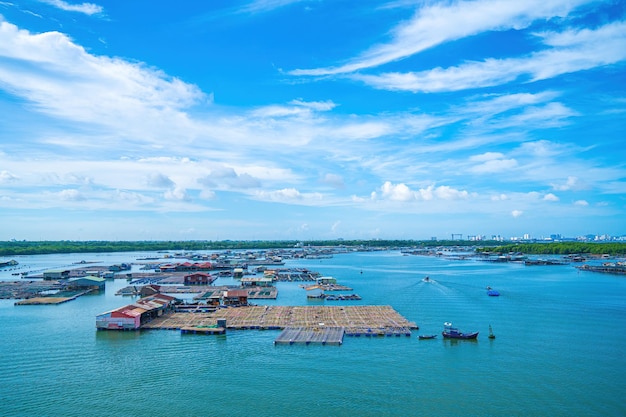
[287, 195]
[227, 177]
[572, 183]
[499, 197]
[401, 192]
[70, 195]
[130, 197]
[177, 194]
[516, 213]
[550, 197]
[160, 181]
[581, 203]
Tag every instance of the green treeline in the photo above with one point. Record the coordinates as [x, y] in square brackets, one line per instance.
[48, 247]
[13, 248]
[561, 248]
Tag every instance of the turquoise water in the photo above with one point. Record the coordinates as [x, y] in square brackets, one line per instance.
[559, 350]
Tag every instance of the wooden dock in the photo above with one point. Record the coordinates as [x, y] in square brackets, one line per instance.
[355, 320]
[306, 335]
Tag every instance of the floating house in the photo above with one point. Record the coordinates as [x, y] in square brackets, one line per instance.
[256, 282]
[234, 298]
[120, 267]
[326, 280]
[187, 266]
[132, 316]
[199, 278]
[54, 274]
[89, 282]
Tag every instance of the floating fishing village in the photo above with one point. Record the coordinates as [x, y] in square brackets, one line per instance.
[176, 291]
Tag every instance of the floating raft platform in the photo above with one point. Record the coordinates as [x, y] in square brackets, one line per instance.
[306, 335]
[202, 330]
[355, 320]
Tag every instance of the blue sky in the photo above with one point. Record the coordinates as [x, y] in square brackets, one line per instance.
[287, 119]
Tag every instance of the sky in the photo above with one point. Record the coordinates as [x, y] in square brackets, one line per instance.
[311, 119]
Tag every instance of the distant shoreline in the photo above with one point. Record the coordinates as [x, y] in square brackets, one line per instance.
[16, 248]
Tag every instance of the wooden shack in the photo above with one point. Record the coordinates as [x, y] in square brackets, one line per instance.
[132, 316]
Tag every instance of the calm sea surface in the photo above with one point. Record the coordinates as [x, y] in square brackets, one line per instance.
[559, 349]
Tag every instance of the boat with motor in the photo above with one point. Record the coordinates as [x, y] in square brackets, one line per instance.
[450, 332]
[426, 336]
[492, 293]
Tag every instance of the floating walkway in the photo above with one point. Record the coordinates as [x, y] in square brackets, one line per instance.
[202, 330]
[306, 335]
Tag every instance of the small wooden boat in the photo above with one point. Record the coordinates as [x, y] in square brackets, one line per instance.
[450, 332]
[426, 336]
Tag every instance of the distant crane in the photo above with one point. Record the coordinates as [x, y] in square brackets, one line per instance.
[457, 235]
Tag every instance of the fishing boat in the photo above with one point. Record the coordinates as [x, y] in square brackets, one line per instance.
[426, 336]
[426, 279]
[450, 332]
[492, 293]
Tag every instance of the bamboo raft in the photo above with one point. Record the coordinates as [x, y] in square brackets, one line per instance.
[355, 320]
[305, 335]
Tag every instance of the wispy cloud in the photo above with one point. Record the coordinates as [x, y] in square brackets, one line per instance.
[262, 6]
[443, 22]
[573, 50]
[86, 8]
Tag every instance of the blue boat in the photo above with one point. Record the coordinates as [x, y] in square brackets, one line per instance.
[492, 293]
[450, 332]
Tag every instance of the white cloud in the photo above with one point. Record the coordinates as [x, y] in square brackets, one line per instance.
[571, 51]
[333, 180]
[262, 6]
[572, 183]
[401, 192]
[516, 213]
[6, 176]
[551, 197]
[487, 156]
[160, 181]
[86, 8]
[70, 195]
[442, 22]
[227, 177]
[177, 194]
[288, 195]
[315, 105]
[62, 80]
[581, 203]
[500, 197]
[494, 166]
